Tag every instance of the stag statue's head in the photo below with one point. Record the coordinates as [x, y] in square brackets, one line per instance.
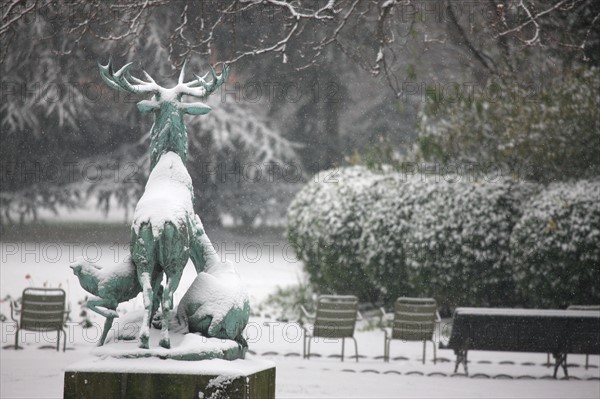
[168, 131]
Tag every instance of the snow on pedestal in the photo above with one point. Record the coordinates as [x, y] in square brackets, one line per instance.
[158, 378]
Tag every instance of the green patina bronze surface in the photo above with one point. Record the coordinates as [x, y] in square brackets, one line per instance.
[111, 286]
[164, 249]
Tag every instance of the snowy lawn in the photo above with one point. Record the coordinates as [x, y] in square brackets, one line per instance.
[39, 373]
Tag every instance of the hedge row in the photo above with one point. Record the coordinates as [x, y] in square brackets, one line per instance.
[466, 243]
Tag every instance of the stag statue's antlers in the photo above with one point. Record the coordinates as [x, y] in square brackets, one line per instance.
[120, 80]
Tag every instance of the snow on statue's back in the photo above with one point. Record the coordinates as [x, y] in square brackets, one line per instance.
[165, 232]
[167, 196]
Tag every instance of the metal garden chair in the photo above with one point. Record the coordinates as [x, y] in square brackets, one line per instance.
[414, 319]
[42, 309]
[334, 318]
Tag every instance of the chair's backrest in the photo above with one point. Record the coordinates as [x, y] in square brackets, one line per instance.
[584, 307]
[43, 309]
[414, 319]
[336, 316]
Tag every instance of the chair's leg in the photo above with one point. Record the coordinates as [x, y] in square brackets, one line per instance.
[355, 348]
[304, 346]
[560, 360]
[424, 350]
[461, 357]
[385, 358]
[458, 360]
[308, 347]
[434, 352]
[389, 342]
[58, 340]
[65, 341]
[548, 359]
[343, 341]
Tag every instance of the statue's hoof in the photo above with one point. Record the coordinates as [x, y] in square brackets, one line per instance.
[144, 342]
[165, 343]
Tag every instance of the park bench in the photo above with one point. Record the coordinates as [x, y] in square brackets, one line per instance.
[559, 332]
[42, 309]
[334, 318]
[414, 319]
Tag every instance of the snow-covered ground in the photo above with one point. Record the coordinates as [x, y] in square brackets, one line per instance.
[38, 373]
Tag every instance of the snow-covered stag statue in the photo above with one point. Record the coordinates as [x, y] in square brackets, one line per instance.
[166, 232]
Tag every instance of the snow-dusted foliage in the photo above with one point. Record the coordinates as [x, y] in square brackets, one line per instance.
[458, 240]
[383, 243]
[383, 235]
[243, 128]
[58, 122]
[556, 246]
[542, 132]
[325, 225]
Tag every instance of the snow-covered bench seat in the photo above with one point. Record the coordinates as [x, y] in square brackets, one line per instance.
[525, 330]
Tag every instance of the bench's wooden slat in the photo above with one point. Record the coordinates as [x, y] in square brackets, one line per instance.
[37, 300]
[332, 320]
[50, 318]
[333, 332]
[39, 293]
[414, 329]
[36, 325]
[44, 306]
[408, 335]
[351, 314]
[426, 317]
[43, 316]
[338, 306]
[429, 301]
[403, 308]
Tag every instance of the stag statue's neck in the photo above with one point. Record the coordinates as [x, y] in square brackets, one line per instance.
[168, 133]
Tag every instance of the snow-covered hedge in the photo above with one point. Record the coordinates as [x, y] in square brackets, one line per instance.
[383, 243]
[457, 245]
[325, 225]
[477, 243]
[556, 246]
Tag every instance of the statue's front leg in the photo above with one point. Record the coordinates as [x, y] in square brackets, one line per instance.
[110, 313]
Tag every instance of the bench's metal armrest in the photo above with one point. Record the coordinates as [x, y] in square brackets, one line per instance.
[438, 319]
[15, 310]
[66, 313]
[359, 315]
[308, 330]
[383, 317]
[306, 314]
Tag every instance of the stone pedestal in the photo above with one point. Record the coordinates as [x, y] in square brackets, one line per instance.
[158, 378]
